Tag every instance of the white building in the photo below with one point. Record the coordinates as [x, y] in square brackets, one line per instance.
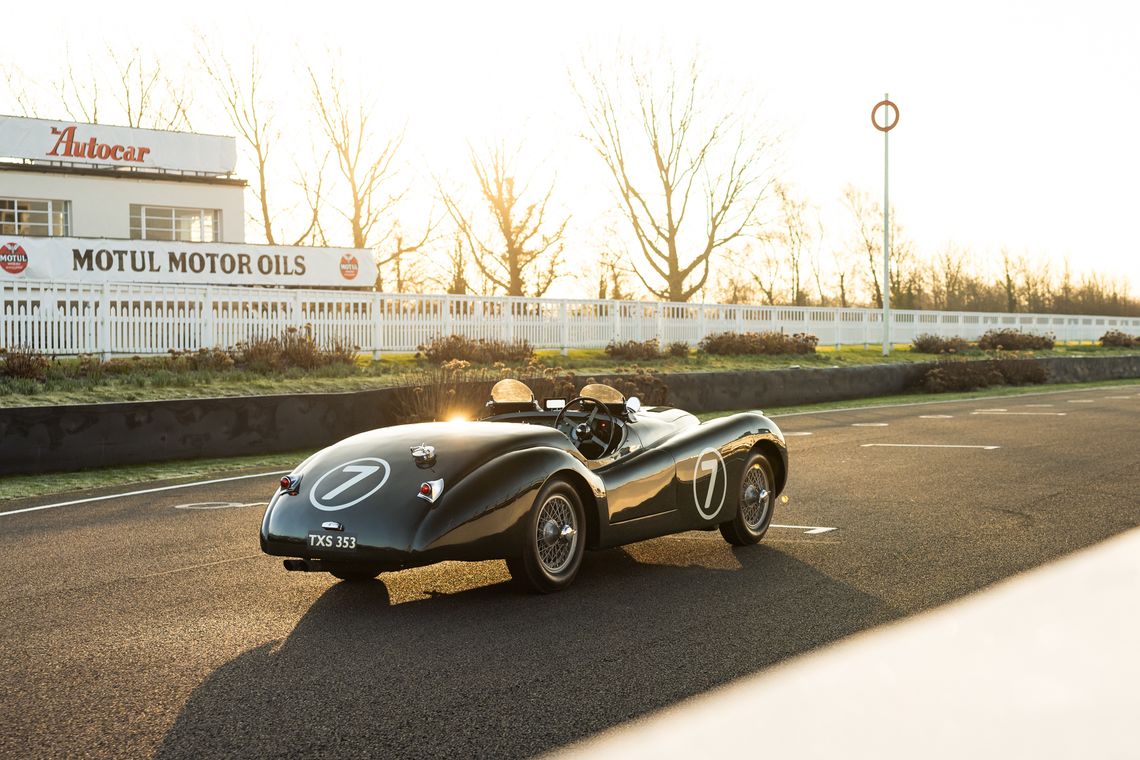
[95, 203]
[65, 181]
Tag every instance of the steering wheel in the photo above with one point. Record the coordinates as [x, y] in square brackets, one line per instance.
[584, 434]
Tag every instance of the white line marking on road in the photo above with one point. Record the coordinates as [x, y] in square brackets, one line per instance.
[929, 446]
[144, 491]
[1038, 406]
[936, 416]
[219, 505]
[989, 410]
[1030, 414]
[1081, 401]
[869, 424]
[1118, 398]
[787, 434]
[811, 530]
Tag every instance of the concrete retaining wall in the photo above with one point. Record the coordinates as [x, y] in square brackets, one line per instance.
[63, 438]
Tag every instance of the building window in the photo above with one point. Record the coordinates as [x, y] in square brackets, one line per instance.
[191, 225]
[20, 216]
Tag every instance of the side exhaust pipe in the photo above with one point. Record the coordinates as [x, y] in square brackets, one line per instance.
[303, 565]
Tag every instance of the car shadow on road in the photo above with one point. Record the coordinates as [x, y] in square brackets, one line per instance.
[493, 672]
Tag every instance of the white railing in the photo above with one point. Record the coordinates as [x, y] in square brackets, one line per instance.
[73, 318]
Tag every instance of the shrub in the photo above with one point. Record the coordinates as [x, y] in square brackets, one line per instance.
[475, 350]
[736, 344]
[24, 363]
[546, 382]
[644, 383]
[962, 375]
[1007, 339]
[1118, 339]
[440, 392]
[292, 349]
[204, 359]
[1021, 371]
[678, 349]
[634, 349]
[458, 388]
[936, 344]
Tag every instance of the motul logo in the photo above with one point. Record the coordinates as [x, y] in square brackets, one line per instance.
[349, 266]
[93, 149]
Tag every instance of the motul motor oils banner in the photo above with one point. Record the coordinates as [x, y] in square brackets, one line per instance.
[101, 145]
[154, 261]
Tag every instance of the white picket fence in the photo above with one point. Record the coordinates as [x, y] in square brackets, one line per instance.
[73, 318]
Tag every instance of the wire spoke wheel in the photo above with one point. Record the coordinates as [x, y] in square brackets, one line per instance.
[553, 541]
[756, 501]
[556, 534]
[755, 497]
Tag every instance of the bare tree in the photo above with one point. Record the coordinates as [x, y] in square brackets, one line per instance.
[670, 153]
[948, 278]
[611, 277]
[1009, 286]
[400, 253]
[16, 84]
[143, 94]
[905, 271]
[606, 276]
[453, 276]
[252, 116]
[867, 243]
[366, 162]
[523, 255]
[766, 269]
[730, 287]
[787, 244]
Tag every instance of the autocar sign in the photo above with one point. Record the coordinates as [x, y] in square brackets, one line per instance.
[103, 145]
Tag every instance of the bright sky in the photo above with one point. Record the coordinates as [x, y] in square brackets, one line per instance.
[1019, 120]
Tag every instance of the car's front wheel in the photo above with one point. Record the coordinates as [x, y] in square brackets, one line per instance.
[554, 540]
[755, 501]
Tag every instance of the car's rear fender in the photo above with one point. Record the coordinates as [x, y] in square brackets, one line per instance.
[484, 514]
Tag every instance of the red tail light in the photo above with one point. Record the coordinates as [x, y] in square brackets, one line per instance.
[285, 483]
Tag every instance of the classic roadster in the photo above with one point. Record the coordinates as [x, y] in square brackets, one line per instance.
[534, 484]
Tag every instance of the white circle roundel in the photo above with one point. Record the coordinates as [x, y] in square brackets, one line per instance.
[710, 461]
[349, 483]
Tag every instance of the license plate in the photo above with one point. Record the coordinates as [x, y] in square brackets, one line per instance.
[344, 542]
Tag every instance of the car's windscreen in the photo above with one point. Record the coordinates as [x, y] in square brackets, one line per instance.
[601, 392]
[511, 391]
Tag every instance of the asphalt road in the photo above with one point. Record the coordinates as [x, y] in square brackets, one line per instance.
[132, 627]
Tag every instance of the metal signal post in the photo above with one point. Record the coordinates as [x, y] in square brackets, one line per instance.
[886, 128]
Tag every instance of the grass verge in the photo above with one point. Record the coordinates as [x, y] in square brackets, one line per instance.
[393, 369]
[28, 486]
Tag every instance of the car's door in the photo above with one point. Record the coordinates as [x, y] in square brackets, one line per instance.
[640, 490]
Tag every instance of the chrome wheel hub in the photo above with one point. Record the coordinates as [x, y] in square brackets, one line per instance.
[755, 499]
[557, 534]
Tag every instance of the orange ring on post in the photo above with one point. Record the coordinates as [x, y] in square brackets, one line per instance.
[887, 104]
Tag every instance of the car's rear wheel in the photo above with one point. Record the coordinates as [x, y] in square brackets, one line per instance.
[755, 501]
[554, 540]
[352, 572]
